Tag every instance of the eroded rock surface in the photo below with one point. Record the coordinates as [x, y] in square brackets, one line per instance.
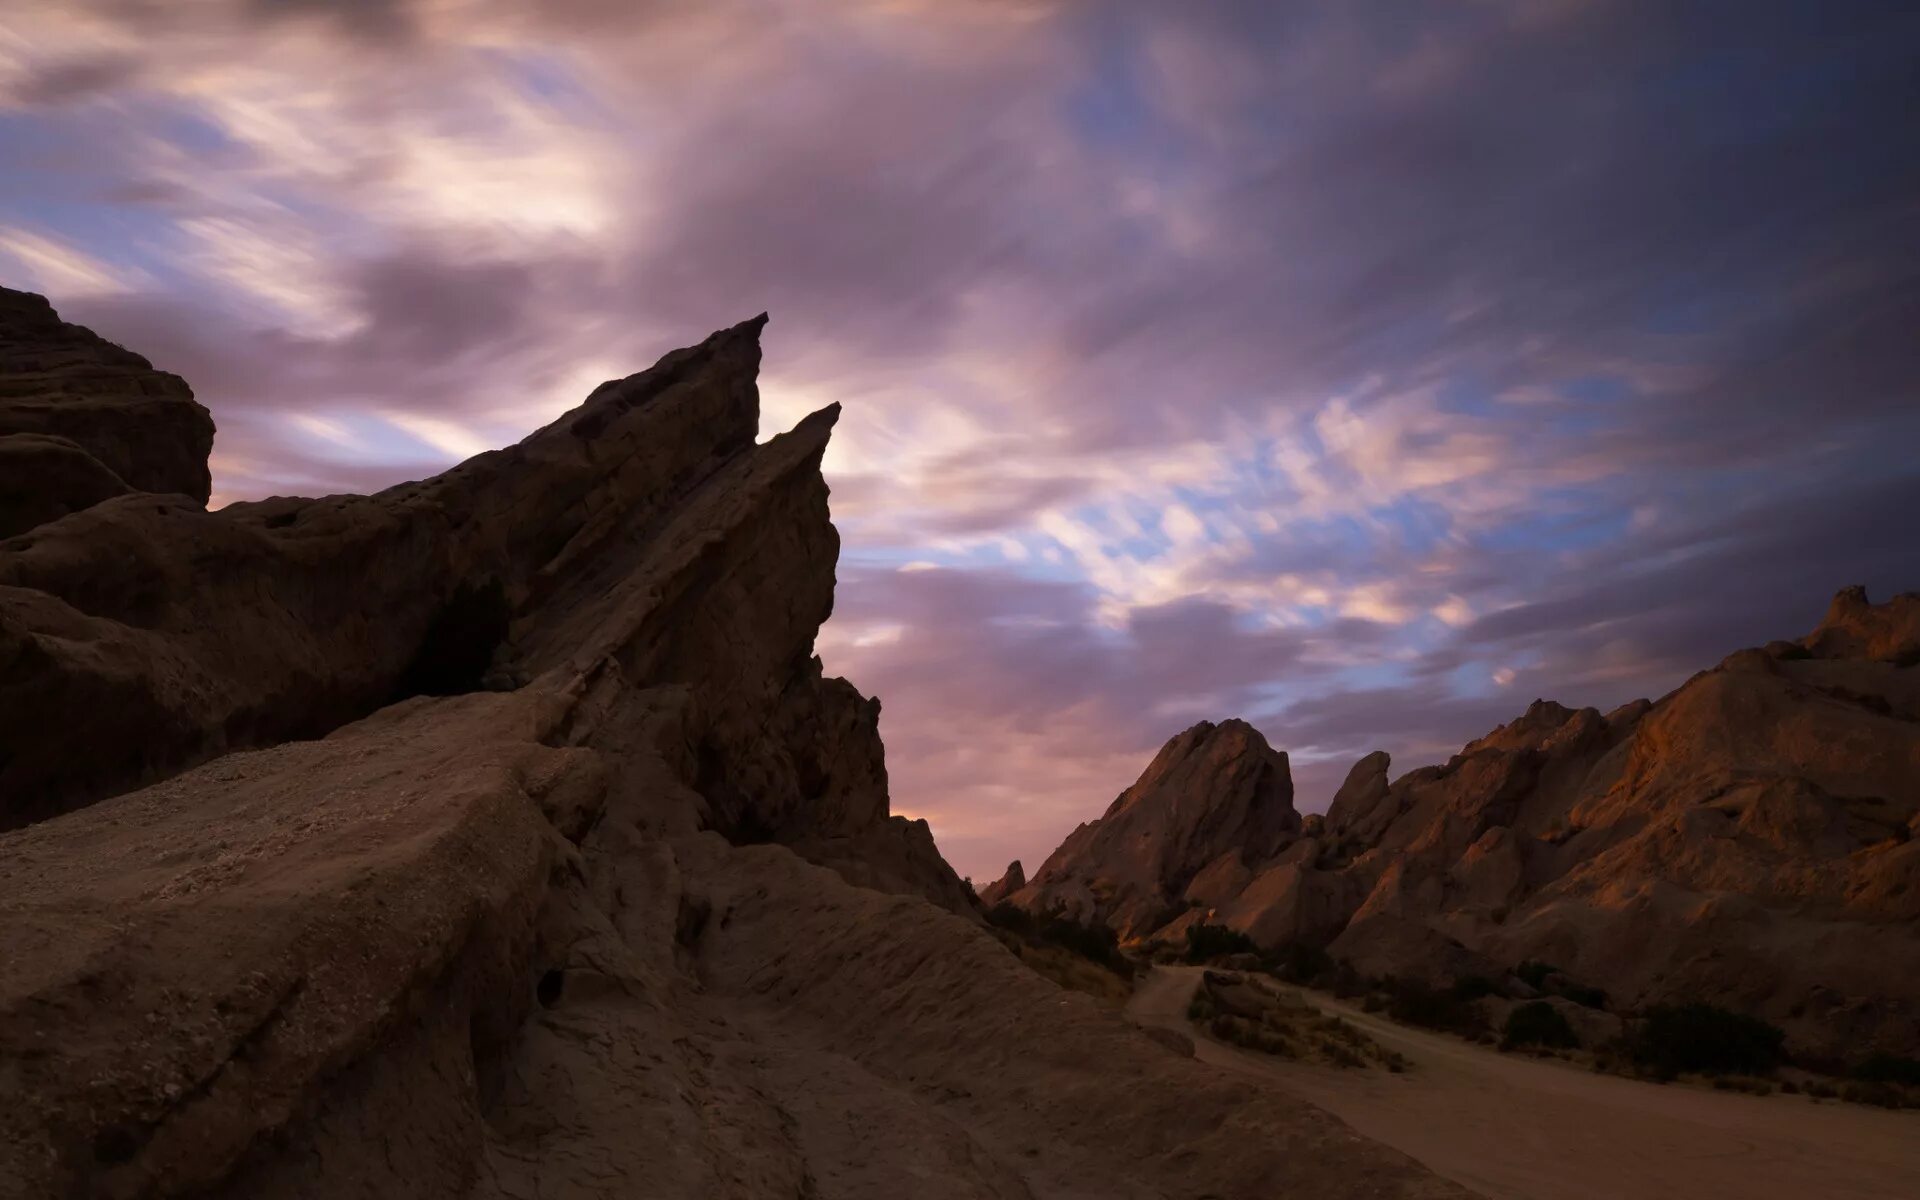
[1748, 839]
[1215, 801]
[82, 419]
[1012, 881]
[535, 916]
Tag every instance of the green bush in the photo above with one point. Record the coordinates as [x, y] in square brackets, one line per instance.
[1208, 942]
[1538, 1024]
[1705, 1038]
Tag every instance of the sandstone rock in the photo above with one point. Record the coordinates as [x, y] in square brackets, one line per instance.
[1854, 627]
[66, 392]
[538, 922]
[1363, 806]
[1010, 882]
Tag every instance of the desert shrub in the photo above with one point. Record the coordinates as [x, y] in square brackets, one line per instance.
[1302, 964]
[1538, 1024]
[1010, 917]
[1705, 1038]
[1887, 1068]
[1413, 1003]
[1882, 1095]
[1090, 940]
[1472, 987]
[1207, 942]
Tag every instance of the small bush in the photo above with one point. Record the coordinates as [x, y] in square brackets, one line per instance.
[1417, 1004]
[1208, 942]
[1882, 1095]
[1538, 1024]
[1888, 1068]
[1301, 964]
[1472, 987]
[1705, 1038]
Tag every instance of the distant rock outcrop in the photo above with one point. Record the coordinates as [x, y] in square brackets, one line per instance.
[1215, 802]
[1009, 883]
[1749, 839]
[522, 887]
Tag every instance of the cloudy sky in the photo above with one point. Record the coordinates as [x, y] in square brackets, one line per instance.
[1363, 369]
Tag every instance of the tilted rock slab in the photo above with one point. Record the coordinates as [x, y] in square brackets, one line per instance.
[535, 917]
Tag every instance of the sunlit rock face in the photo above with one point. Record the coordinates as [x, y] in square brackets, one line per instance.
[1215, 802]
[1748, 839]
[499, 835]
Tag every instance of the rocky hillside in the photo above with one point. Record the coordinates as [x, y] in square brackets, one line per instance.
[1748, 839]
[499, 835]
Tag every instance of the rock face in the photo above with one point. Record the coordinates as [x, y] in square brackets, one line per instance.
[512, 893]
[1216, 801]
[1005, 886]
[1749, 840]
[82, 420]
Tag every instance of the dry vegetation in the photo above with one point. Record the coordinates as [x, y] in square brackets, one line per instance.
[1256, 1014]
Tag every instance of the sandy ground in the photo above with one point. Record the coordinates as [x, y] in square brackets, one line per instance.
[1517, 1128]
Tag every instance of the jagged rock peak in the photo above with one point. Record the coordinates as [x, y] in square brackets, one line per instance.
[1361, 808]
[1212, 790]
[1010, 882]
[1855, 627]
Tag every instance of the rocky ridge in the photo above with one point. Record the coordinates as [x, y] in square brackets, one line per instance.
[1748, 839]
[499, 835]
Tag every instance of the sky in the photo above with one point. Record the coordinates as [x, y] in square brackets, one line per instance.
[1365, 370]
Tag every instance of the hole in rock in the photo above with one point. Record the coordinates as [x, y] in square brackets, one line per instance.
[458, 646]
[548, 990]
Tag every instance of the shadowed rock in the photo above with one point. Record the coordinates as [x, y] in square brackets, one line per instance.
[535, 916]
[82, 419]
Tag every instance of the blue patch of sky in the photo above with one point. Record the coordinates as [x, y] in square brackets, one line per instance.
[1560, 520]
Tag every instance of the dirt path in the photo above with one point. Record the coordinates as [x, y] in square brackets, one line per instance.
[1517, 1128]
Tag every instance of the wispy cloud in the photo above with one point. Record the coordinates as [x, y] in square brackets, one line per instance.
[1360, 374]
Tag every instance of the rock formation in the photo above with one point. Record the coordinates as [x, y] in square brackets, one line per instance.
[1215, 801]
[1005, 886]
[1749, 839]
[82, 420]
[498, 836]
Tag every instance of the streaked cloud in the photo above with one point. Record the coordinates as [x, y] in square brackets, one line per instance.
[1358, 373]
